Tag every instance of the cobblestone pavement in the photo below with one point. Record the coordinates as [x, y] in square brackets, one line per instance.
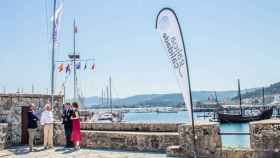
[60, 152]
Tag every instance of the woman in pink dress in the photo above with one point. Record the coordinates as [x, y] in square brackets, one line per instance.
[76, 131]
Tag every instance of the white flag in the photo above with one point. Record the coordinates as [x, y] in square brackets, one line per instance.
[58, 16]
[171, 36]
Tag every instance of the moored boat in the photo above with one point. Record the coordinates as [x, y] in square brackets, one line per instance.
[241, 117]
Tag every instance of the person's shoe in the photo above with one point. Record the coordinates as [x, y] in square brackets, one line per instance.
[45, 147]
[78, 147]
[30, 149]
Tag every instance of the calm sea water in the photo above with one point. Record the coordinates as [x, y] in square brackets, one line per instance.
[182, 117]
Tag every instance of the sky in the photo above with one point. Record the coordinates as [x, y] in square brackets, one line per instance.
[225, 40]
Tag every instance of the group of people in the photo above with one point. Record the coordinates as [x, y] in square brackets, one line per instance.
[71, 121]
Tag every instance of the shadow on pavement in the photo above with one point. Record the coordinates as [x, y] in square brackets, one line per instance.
[19, 150]
[68, 151]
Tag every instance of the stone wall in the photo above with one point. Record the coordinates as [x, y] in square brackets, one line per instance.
[265, 135]
[159, 137]
[127, 136]
[208, 140]
[134, 141]
[248, 153]
[58, 134]
[143, 127]
[11, 109]
[3, 135]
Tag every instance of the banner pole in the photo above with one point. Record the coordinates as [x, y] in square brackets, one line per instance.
[190, 92]
[188, 78]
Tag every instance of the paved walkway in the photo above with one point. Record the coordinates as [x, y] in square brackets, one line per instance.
[60, 152]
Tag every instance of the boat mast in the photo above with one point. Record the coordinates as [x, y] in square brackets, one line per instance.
[216, 98]
[107, 95]
[53, 54]
[239, 96]
[102, 95]
[263, 101]
[110, 100]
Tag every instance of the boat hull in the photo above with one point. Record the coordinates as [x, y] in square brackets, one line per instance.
[237, 118]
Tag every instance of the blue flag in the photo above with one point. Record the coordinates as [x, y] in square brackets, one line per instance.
[78, 65]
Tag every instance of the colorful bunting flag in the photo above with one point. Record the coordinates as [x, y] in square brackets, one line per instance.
[85, 67]
[76, 28]
[93, 67]
[68, 70]
[78, 65]
[61, 67]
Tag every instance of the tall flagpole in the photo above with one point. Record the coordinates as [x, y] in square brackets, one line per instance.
[53, 54]
[75, 75]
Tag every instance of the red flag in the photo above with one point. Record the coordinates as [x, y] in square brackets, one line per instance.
[75, 28]
[93, 67]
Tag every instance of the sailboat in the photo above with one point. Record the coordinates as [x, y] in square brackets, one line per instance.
[241, 117]
[110, 116]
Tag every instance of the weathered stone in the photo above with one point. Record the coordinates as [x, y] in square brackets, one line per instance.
[58, 134]
[136, 141]
[144, 127]
[265, 135]
[10, 112]
[3, 135]
[175, 150]
[207, 137]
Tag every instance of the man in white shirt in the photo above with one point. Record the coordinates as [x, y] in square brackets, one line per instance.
[47, 123]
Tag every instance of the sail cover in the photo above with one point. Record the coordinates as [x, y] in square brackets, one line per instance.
[168, 26]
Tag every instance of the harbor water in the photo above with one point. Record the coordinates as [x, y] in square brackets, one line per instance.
[182, 117]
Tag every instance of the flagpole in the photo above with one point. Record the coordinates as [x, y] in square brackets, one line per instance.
[53, 54]
[75, 75]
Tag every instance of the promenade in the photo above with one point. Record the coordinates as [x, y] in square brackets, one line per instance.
[60, 152]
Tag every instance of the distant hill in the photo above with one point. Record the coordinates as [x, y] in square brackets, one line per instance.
[273, 89]
[172, 99]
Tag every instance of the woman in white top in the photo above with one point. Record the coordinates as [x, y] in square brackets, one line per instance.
[47, 123]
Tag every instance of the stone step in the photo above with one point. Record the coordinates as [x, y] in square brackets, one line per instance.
[175, 151]
[134, 141]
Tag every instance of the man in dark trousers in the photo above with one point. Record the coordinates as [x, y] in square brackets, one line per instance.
[67, 112]
[32, 125]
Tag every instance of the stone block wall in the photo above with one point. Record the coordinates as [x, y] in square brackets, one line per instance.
[135, 137]
[143, 127]
[11, 109]
[58, 134]
[208, 140]
[264, 139]
[134, 141]
[3, 135]
[265, 135]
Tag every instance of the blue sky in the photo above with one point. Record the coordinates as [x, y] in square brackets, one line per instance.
[225, 40]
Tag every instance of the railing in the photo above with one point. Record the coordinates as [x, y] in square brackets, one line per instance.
[234, 133]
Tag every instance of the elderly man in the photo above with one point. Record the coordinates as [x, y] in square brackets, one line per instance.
[47, 123]
[32, 125]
